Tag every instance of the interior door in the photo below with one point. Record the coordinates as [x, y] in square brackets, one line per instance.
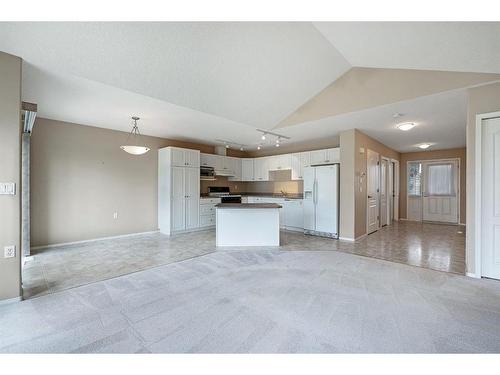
[372, 182]
[384, 195]
[191, 185]
[178, 199]
[440, 191]
[490, 197]
[390, 192]
[309, 198]
[326, 199]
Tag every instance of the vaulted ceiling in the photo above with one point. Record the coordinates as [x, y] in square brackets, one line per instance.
[202, 81]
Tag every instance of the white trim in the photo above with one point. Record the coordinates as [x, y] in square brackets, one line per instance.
[348, 239]
[91, 240]
[396, 187]
[10, 300]
[463, 224]
[478, 199]
[470, 274]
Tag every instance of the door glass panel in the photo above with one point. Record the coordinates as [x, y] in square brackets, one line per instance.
[440, 179]
[414, 179]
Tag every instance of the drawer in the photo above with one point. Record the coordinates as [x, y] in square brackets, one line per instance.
[207, 220]
[207, 209]
[209, 201]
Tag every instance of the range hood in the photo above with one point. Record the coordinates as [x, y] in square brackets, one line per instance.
[224, 173]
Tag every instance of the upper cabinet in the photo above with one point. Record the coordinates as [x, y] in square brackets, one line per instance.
[247, 170]
[261, 169]
[327, 156]
[235, 166]
[208, 160]
[279, 162]
[300, 160]
[182, 157]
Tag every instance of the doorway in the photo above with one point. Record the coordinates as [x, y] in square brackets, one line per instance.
[489, 204]
[433, 190]
[373, 183]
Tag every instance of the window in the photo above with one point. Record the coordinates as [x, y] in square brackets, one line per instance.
[414, 179]
[440, 179]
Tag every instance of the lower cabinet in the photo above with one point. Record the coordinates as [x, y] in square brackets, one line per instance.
[207, 211]
[291, 213]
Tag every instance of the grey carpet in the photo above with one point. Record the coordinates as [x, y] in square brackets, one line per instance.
[263, 301]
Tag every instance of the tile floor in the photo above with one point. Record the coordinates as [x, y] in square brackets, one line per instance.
[263, 301]
[438, 247]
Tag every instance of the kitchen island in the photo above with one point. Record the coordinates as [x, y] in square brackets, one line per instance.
[247, 224]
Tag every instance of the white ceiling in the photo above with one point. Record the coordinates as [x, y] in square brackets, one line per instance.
[203, 81]
[453, 46]
[254, 73]
[440, 119]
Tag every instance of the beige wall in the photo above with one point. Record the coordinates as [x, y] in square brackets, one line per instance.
[362, 88]
[349, 183]
[10, 171]
[365, 142]
[430, 155]
[80, 177]
[482, 99]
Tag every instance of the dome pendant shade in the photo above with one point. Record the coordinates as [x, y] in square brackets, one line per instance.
[134, 136]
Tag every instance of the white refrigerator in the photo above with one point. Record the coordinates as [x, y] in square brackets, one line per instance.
[321, 200]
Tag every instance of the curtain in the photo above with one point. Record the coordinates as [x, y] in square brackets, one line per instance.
[440, 179]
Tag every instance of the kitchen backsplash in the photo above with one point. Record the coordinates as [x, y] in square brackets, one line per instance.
[289, 186]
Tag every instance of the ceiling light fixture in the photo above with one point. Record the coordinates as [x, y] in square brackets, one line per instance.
[263, 137]
[134, 136]
[406, 126]
[424, 146]
[258, 147]
[277, 145]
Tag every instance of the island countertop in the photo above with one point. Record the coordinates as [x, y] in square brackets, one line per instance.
[248, 205]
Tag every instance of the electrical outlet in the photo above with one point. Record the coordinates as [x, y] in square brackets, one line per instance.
[115, 215]
[9, 251]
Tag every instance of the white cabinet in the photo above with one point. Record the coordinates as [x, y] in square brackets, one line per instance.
[299, 161]
[280, 162]
[182, 157]
[261, 169]
[235, 168]
[207, 211]
[326, 156]
[293, 214]
[178, 189]
[247, 170]
[208, 160]
[333, 155]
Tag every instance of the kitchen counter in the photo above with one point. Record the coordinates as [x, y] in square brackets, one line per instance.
[247, 224]
[263, 195]
[247, 205]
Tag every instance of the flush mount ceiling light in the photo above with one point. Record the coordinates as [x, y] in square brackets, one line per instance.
[405, 126]
[133, 141]
[424, 146]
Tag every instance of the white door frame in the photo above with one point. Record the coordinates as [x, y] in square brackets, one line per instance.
[396, 189]
[378, 192]
[387, 205]
[459, 192]
[478, 194]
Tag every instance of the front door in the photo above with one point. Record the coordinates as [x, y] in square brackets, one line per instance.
[372, 182]
[440, 193]
[490, 196]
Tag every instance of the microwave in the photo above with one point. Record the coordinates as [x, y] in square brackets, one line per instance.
[207, 173]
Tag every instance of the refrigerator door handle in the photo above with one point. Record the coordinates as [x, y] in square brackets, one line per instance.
[315, 191]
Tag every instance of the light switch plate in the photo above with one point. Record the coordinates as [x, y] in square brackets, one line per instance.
[7, 188]
[9, 251]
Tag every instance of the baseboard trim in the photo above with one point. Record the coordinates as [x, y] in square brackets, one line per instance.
[10, 300]
[463, 224]
[348, 239]
[473, 275]
[92, 240]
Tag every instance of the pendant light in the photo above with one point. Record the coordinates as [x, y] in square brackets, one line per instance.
[133, 147]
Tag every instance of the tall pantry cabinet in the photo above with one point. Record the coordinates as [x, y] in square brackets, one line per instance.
[178, 189]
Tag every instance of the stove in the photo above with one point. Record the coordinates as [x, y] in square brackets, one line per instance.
[224, 194]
